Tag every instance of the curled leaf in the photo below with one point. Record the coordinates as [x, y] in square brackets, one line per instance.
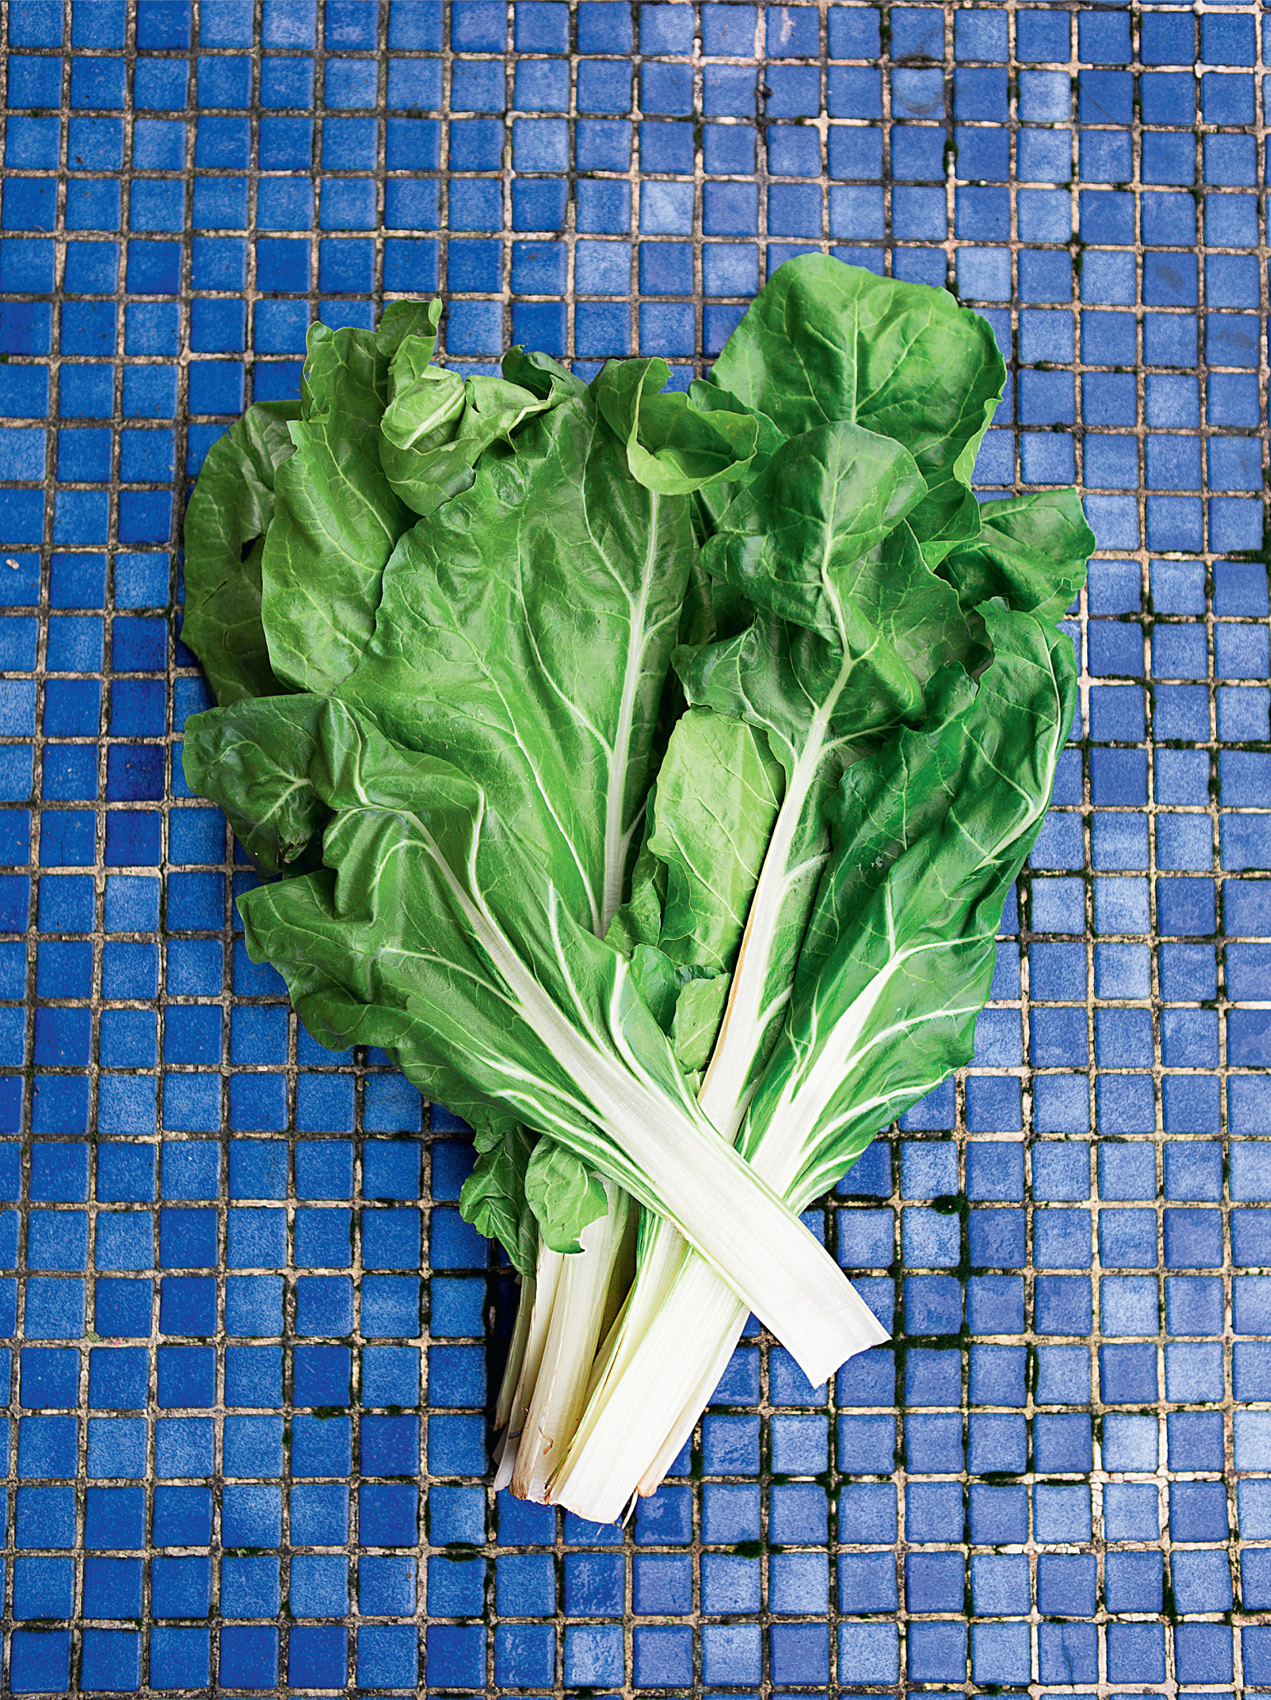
[1032, 552]
[225, 524]
[254, 758]
[564, 1194]
[336, 520]
[493, 1197]
[672, 447]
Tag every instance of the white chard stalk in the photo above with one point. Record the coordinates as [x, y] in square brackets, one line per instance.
[579, 1308]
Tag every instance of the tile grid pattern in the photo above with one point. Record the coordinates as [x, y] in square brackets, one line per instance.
[955, 160]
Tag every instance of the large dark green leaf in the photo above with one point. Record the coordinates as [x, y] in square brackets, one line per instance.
[823, 342]
[1032, 552]
[228, 516]
[253, 757]
[929, 834]
[866, 625]
[525, 634]
[793, 540]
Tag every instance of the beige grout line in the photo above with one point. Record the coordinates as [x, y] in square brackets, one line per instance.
[953, 247]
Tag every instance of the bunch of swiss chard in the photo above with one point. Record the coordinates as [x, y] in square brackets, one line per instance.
[646, 772]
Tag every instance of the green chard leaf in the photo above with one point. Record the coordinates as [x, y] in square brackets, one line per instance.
[1032, 552]
[639, 919]
[648, 769]
[431, 931]
[929, 835]
[823, 342]
[474, 660]
[336, 519]
[225, 524]
[541, 375]
[436, 426]
[564, 1193]
[711, 500]
[851, 625]
[401, 319]
[699, 1009]
[253, 758]
[792, 540]
[685, 1001]
[493, 1197]
[672, 446]
[717, 798]
[425, 402]
[710, 815]
[659, 982]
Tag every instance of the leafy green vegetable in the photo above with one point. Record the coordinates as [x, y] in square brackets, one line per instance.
[564, 1194]
[673, 447]
[493, 1195]
[902, 665]
[432, 932]
[485, 764]
[257, 756]
[1031, 552]
[928, 836]
[471, 660]
[693, 883]
[850, 626]
[225, 525]
[929, 832]
[826, 343]
[336, 518]
[436, 426]
[648, 771]
[711, 841]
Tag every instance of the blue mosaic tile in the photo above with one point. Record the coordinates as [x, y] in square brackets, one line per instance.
[263, 1236]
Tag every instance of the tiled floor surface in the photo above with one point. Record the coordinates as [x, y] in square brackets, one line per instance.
[246, 1443]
